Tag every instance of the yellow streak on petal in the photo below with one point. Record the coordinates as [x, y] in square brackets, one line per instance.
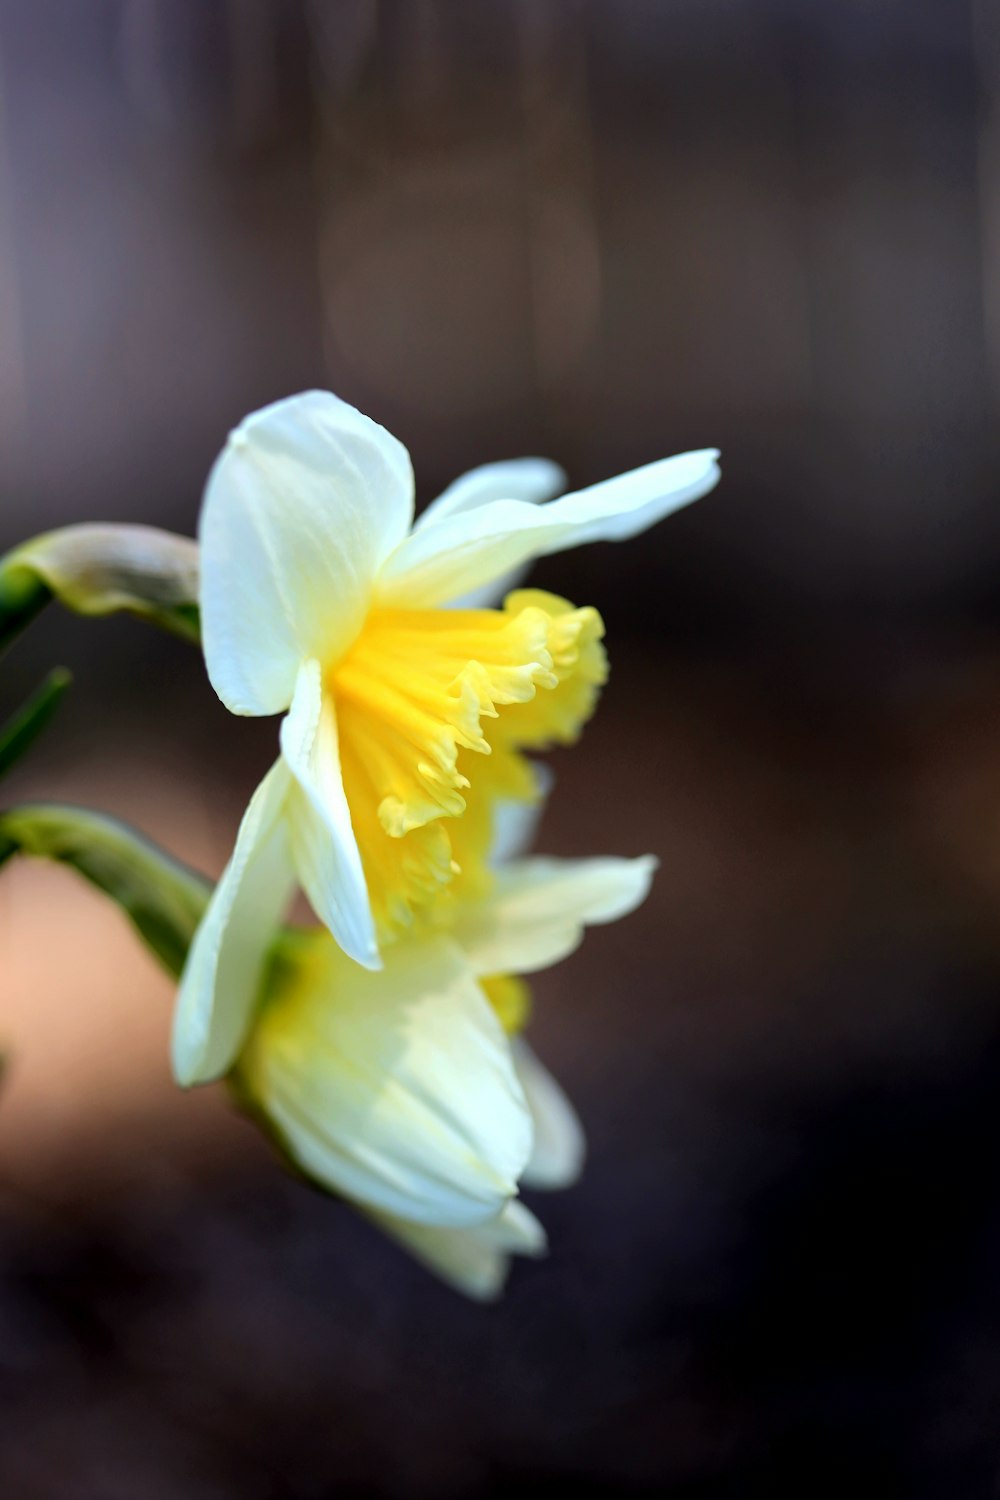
[510, 998]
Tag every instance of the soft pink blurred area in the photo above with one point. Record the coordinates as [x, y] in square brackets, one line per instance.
[603, 232]
[88, 1098]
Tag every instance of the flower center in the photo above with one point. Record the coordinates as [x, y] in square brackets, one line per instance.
[434, 709]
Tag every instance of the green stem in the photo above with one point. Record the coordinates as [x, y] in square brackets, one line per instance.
[27, 723]
[99, 569]
[23, 595]
[163, 899]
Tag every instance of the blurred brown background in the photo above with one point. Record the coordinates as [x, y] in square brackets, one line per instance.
[604, 232]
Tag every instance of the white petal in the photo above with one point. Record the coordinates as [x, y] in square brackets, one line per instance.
[560, 1146]
[396, 1089]
[537, 909]
[304, 503]
[474, 1261]
[491, 595]
[442, 561]
[530, 479]
[324, 849]
[221, 978]
[515, 823]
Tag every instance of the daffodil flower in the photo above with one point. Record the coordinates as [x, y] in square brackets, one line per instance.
[405, 720]
[410, 1090]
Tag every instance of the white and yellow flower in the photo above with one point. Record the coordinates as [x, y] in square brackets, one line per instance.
[409, 1090]
[404, 720]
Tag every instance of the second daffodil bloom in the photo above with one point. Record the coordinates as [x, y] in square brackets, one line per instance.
[410, 1091]
[405, 716]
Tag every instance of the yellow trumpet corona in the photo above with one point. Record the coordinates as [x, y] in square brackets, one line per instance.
[408, 706]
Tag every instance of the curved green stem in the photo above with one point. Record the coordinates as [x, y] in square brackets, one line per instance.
[23, 595]
[24, 727]
[163, 899]
[98, 569]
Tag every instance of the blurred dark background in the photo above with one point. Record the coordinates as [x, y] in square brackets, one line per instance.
[604, 232]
